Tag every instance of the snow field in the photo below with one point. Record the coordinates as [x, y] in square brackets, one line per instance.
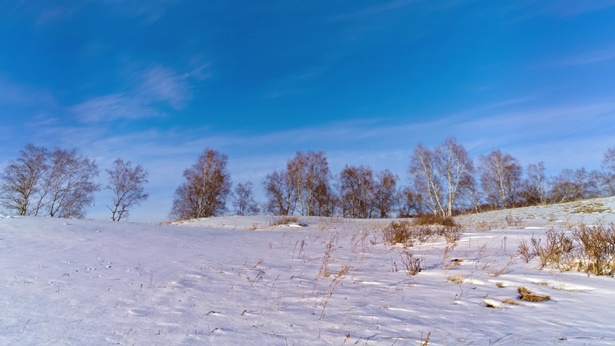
[232, 280]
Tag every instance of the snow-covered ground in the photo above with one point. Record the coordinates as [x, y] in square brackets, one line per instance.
[241, 280]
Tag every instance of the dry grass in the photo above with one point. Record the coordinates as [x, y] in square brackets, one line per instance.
[398, 233]
[510, 302]
[525, 252]
[412, 264]
[483, 225]
[500, 284]
[495, 272]
[597, 249]
[528, 296]
[556, 250]
[284, 220]
[513, 221]
[589, 208]
[406, 233]
[426, 339]
[456, 279]
[589, 248]
[431, 219]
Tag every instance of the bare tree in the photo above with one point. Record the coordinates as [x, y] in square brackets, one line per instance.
[608, 165]
[535, 185]
[357, 191]
[303, 186]
[500, 176]
[409, 202]
[455, 167]
[243, 199]
[384, 193]
[67, 185]
[310, 178]
[567, 186]
[57, 183]
[126, 184]
[426, 179]
[207, 185]
[280, 192]
[20, 180]
[573, 185]
[441, 175]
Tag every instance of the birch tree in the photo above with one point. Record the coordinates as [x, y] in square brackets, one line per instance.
[21, 179]
[441, 175]
[500, 176]
[127, 185]
[205, 190]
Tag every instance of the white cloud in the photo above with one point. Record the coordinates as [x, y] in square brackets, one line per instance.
[375, 9]
[161, 84]
[24, 95]
[115, 106]
[150, 11]
[154, 88]
[590, 58]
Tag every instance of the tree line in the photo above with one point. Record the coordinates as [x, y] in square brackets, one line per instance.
[60, 183]
[443, 180]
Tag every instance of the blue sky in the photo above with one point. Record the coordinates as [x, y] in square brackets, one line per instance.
[156, 82]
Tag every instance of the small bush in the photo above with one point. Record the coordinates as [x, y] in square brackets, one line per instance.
[597, 249]
[398, 233]
[556, 251]
[404, 232]
[589, 248]
[434, 219]
[525, 252]
[451, 233]
[412, 264]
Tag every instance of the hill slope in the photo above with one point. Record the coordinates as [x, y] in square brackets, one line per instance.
[73, 282]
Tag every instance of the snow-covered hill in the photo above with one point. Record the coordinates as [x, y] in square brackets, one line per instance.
[319, 281]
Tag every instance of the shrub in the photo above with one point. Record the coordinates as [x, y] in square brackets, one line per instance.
[525, 252]
[589, 248]
[412, 264]
[434, 219]
[404, 232]
[556, 251]
[597, 249]
[398, 233]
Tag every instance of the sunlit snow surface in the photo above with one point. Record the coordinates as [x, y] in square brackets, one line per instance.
[240, 281]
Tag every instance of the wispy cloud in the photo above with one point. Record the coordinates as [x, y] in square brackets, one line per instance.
[161, 84]
[150, 11]
[24, 95]
[590, 58]
[112, 107]
[530, 9]
[376, 9]
[155, 87]
[566, 8]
